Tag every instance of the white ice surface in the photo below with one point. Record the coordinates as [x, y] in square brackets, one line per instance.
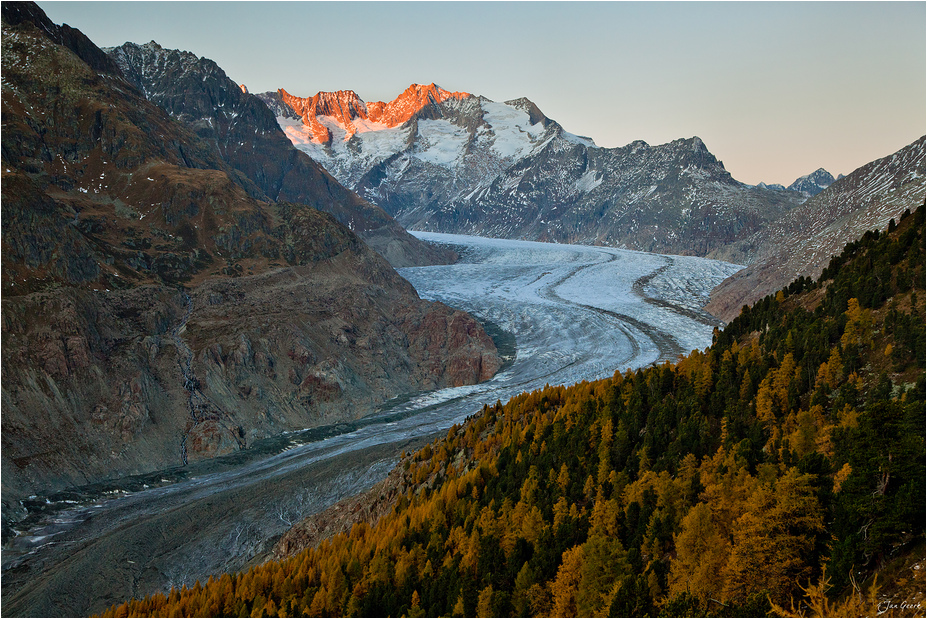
[565, 303]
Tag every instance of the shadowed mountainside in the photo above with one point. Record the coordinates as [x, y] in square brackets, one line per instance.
[801, 243]
[155, 311]
[244, 133]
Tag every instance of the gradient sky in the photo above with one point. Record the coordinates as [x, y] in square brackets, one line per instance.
[775, 90]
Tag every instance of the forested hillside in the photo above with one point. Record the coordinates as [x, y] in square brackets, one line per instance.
[788, 456]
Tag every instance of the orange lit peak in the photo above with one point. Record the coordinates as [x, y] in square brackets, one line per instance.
[344, 106]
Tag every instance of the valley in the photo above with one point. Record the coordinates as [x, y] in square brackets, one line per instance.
[574, 312]
[236, 324]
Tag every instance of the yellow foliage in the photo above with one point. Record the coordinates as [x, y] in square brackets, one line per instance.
[564, 587]
[773, 537]
[841, 476]
[563, 480]
[484, 602]
[817, 604]
[702, 552]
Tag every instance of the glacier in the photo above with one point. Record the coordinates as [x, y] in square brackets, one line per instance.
[574, 312]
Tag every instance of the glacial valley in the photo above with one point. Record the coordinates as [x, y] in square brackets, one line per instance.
[560, 314]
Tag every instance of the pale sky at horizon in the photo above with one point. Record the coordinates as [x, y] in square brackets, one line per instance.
[775, 90]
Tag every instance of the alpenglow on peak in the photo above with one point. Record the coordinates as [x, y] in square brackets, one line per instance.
[352, 114]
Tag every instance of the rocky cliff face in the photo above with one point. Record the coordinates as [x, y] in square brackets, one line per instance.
[803, 242]
[466, 164]
[154, 311]
[245, 134]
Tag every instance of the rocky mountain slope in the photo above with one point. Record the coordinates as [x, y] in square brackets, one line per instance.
[154, 311]
[462, 163]
[246, 136]
[731, 483]
[802, 242]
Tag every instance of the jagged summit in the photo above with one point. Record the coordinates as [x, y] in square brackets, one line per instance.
[413, 99]
[808, 185]
[814, 183]
[346, 110]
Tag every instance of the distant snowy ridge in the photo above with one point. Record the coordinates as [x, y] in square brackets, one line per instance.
[462, 163]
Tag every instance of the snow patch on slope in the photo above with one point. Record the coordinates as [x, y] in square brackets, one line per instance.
[442, 142]
[513, 134]
[588, 181]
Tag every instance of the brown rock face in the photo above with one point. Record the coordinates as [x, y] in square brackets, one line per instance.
[452, 345]
[155, 312]
[98, 383]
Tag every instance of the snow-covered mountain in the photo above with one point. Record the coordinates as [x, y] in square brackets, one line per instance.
[246, 135]
[454, 162]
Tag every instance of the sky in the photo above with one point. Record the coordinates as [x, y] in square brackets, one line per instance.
[774, 89]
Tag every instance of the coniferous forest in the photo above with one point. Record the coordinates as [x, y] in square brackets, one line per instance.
[778, 472]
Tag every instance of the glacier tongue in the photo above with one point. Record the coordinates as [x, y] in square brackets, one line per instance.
[577, 312]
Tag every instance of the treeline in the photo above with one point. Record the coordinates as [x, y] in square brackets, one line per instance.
[789, 452]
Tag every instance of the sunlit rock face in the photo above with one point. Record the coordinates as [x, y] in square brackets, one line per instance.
[351, 114]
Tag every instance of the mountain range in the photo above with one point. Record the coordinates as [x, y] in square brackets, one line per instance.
[189, 269]
[244, 133]
[455, 162]
[808, 185]
[801, 243]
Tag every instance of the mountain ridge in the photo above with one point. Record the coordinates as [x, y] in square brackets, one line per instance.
[801, 243]
[470, 165]
[343, 107]
[245, 134]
